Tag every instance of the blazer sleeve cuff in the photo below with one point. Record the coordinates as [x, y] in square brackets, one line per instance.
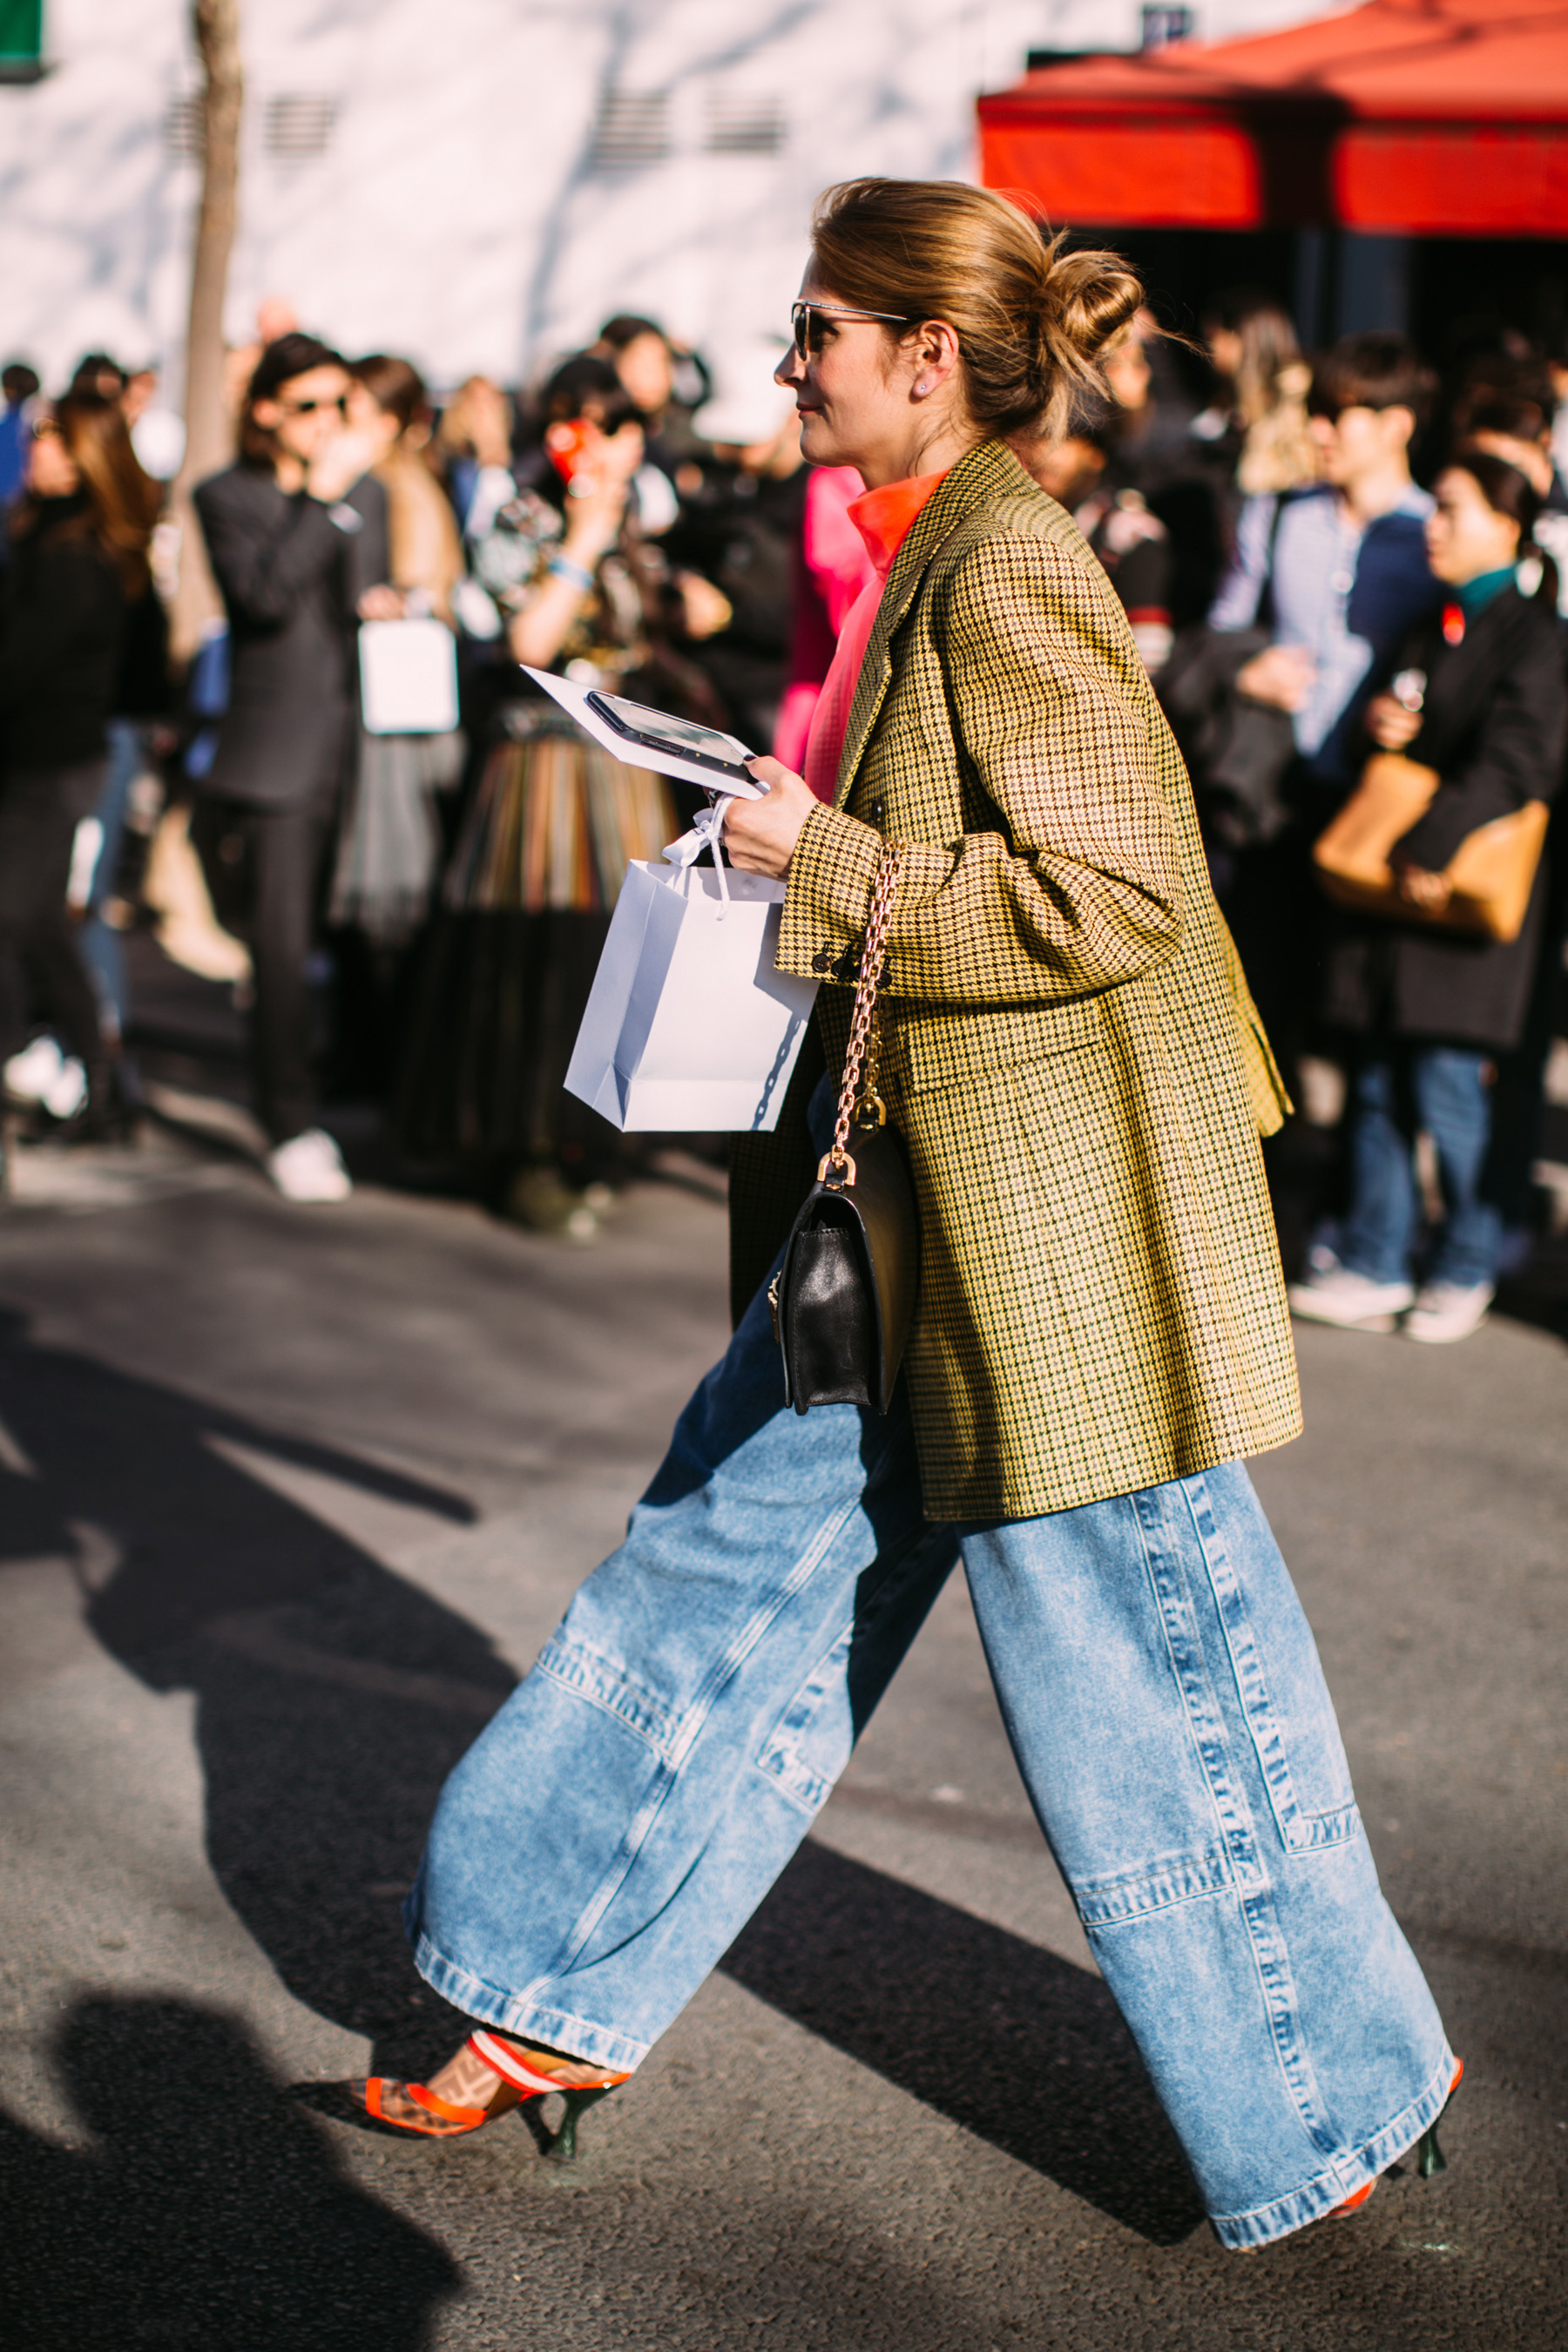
[828, 901]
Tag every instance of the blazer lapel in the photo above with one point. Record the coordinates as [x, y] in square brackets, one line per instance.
[988, 469]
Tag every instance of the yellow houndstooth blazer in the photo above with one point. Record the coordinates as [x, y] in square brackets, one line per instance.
[1070, 1052]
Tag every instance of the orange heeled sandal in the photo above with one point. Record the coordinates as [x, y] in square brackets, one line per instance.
[1429, 2154]
[527, 2074]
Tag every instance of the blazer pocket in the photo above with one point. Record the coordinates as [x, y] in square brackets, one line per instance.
[934, 1052]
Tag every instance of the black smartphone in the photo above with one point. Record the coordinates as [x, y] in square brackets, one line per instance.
[684, 739]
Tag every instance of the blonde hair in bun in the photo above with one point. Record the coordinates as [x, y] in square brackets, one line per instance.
[1031, 322]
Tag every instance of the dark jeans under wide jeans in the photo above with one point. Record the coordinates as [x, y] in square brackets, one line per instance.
[281, 852]
[41, 966]
[1402, 1087]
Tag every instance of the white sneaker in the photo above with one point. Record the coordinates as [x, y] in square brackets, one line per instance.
[65, 1094]
[1353, 1301]
[309, 1167]
[1448, 1310]
[29, 1074]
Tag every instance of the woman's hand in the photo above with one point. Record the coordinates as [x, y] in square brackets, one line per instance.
[1280, 676]
[1419, 888]
[335, 469]
[1390, 725]
[596, 508]
[761, 836]
[383, 603]
[706, 610]
[596, 495]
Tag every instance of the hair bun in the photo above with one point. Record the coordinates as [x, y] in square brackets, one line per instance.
[1087, 302]
[1031, 321]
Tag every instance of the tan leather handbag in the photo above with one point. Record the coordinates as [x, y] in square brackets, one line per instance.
[1490, 875]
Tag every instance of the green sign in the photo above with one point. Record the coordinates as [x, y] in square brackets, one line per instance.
[21, 31]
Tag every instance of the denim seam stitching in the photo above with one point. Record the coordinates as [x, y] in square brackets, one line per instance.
[780, 1759]
[669, 1768]
[546, 1664]
[1280, 1997]
[1276, 1987]
[1209, 1871]
[1256, 1701]
[1183, 1650]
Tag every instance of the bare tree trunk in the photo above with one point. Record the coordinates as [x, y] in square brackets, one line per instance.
[209, 427]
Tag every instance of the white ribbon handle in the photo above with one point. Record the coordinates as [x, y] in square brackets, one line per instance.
[706, 832]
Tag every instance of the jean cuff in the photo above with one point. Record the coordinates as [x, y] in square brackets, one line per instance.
[1243, 2232]
[519, 2013]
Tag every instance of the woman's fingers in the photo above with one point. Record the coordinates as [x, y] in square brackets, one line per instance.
[771, 771]
[760, 834]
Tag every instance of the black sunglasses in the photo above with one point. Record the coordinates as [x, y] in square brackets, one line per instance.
[309, 407]
[806, 318]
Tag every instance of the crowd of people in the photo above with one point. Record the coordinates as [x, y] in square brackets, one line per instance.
[1336, 569]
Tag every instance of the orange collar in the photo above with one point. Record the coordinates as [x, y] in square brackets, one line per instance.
[883, 517]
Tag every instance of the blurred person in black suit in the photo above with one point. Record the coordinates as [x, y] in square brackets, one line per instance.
[297, 533]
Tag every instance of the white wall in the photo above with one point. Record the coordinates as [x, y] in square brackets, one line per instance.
[457, 213]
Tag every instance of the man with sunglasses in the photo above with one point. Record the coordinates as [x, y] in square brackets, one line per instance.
[297, 534]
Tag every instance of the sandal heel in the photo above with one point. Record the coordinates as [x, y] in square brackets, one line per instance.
[1429, 2158]
[562, 2148]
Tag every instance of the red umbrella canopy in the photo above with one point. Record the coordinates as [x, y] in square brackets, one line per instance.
[1435, 117]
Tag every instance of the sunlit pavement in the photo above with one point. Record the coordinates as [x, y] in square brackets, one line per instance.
[291, 1495]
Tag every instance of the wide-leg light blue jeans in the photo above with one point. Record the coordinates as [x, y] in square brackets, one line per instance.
[609, 1834]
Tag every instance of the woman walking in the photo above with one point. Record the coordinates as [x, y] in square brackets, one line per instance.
[389, 843]
[1485, 706]
[77, 564]
[1072, 1062]
[538, 864]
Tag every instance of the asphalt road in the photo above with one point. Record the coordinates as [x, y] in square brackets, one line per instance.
[288, 1497]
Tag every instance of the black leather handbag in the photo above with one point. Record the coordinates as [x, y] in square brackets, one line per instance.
[845, 1298]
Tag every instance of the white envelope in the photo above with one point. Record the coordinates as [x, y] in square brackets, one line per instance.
[573, 700]
[689, 1027]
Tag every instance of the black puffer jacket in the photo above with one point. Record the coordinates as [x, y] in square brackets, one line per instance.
[1494, 725]
[62, 622]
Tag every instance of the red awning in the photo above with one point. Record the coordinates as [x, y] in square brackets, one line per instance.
[1444, 118]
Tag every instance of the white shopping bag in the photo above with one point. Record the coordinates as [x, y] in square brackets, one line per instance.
[689, 1027]
[407, 678]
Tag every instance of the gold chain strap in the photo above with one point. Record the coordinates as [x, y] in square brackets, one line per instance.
[859, 1103]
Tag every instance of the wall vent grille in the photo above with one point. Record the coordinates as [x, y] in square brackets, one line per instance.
[297, 129]
[184, 131]
[631, 131]
[740, 123]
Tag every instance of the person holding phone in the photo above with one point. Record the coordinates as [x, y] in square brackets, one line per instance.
[538, 860]
[1074, 1067]
[297, 534]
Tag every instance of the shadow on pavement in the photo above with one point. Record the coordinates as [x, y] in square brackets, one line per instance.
[209, 2212]
[320, 1783]
[1020, 2047]
[333, 1700]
